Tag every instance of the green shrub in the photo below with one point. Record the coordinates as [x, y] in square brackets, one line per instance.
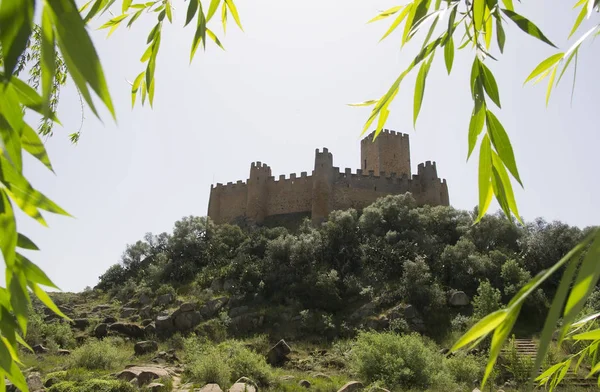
[224, 363]
[100, 355]
[42, 332]
[399, 361]
[465, 368]
[94, 385]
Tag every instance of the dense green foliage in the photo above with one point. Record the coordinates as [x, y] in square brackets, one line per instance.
[93, 385]
[394, 251]
[100, 355]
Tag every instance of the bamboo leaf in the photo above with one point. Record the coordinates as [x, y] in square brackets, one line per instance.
[417, 12]
[126, 5]
[33, 273]
[527, 26]
[481, 328]
[13, 373]
[19, 297]
[25, 243]
[214, 5]
[78, 52]
[31, 142]
[508, 191]
[545, 65]
[398, 20]
[589, 335]
[169, 11]
[500, 35]
[550, 84]
[508, 4]
[479, 7]
[200, 35]
[501, 143]
[47, 60]
[212, 36]
[365, 103]
[489, 83]
[8, 226]
[386, 13]
[449, 54]
[498, 339]
[114, 21]
[485, 176]
[489, 28]
[135, 87]
[476, 126]
[419, 91]
[234, 13]
[46, 300]
[16, 20]
[224, 17]
[578, 21]
[134, 18]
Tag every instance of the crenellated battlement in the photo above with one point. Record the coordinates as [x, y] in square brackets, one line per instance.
[384, 169]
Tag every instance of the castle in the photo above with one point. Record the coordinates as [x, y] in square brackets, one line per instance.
[385, 169]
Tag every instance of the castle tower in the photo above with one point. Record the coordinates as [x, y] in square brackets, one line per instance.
[433, 190]
[322, 186]
[214, 203]
[256, 207]
[389, 153]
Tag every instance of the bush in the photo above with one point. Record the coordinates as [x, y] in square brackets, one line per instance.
[487, 300]
[95, 385]
[399, 361]
[465, 368]
[100, 355]
[224, 363]
[41, 332]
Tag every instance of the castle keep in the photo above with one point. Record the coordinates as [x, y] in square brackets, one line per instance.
[385, 169]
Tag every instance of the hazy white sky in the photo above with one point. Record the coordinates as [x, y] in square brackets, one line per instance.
[277, 93]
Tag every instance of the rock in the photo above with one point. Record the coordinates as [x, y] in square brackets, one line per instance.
[364, 311]
[216, 285]
[238, 311]
[146, 322]
[378, 389]
[444, 351]
[229, 285]
[128, 312]
[322, 376]
[476, 390]
[187, 307]
[277, 355]
[99, 308]
[62, 351]
[185, 321]
[210, 388]
[212, 307]
[242, 387]
[101, 330]
[145, 347]
[146, 312]
[155, 387]
[10, 387]
[459, 298]
[288, 377]
[145, 299]
[164, 325]
[34, 382]
[51, 381]
[150, 329]
[406, 312]
[352, 386]
[109, 320]
[304, 383]
[39, 349]
[80, 323]
[127, 329]
[164, 299]
[143, 374]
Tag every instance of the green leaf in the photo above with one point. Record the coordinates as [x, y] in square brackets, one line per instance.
[485, 176]
[578, 21]
[489, 83]
[19, 297]
[79, 53]
[200, 35]
[46, 300]
[169, 11]
[419, 91]
[589, 335]
[134, 18]
[99, 5]
[212, 8]
[31, 142]
[417, 12]
[508, 191]
[502, 144]
[508, 4]
[147, 53]
[224, 16]
[573, 53]
[500, 192]
[16, 20]
[135, 87]
[25, 243]
[398, 20]
[47, 59]
[545, 65]
[386, 13]
[9, 137]
[114, 21]
[191, 11]
[8, 227]
[33, 273]
[555, 310]
[500, 35]
[550, 84]
[212, 36]
[126, 5]
[527, 26]
[13, 373]
[498, 339]
[479, 7]
[234, 13]
[365, 103]
[489, 28]
[550, 371]
[476, 126]
[449, 54]
[481, 328]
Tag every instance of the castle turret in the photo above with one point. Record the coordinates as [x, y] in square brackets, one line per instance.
[433, 190]
[322, 186]
[256, 207]
[389, 152]
[214, 203]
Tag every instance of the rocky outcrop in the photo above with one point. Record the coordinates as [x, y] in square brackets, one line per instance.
[142, 374]
[210, 388]
[277, 355]
[352, 386]
[100, 308]
[459, 298]
[101, 330]
[109, 320]
[304, 383]
[164, 299]
[211, 308]
[39, 349]
[128, 312]
[145, 300]
[80, 323]
[34, 382]
[128, 329]
[145, 347]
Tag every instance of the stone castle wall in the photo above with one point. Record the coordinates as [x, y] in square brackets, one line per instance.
[327, 188]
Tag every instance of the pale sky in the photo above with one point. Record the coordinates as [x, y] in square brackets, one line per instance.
[278, 92]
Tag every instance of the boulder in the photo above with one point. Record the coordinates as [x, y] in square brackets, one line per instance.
[242, 387]
[39, 349]
[277, 355]
[34, 382]
[238, 311]
[62, 351]
[155, 387]
[128, 329]
[101, 330]
[164, 299]
[145, 299]
[128, 312]
[146, 322]
[185, 321]
[210, 388]
[304, 383]
[322, 376]
[164, 325]
[150, 329]
[186, 307]
[212, 307]
[364, 311]
[109, 320]
[143, 374]
[352, 386]
[80, 323]
[146, 312]
[99, 308]
[406, 312]
[459, 298]
[145, 347]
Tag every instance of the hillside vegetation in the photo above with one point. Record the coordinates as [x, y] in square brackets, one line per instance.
[375, 296]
